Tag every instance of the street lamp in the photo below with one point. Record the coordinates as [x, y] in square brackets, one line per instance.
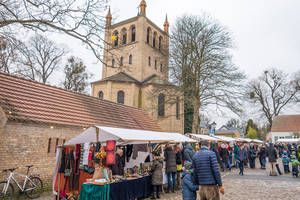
[213, 128]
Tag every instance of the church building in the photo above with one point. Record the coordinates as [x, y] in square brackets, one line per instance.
[135, 70]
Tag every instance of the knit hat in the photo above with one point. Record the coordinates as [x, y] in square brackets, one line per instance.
[284, 153]
[271, 144]
[188, 165]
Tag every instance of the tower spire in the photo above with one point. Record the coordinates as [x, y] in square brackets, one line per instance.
[143, 6]
[166, 25]
[108, 17]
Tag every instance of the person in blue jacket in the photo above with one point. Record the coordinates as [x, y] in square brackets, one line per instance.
[241, 157]
[189, 186]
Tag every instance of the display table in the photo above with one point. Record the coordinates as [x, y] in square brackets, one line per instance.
[122, 190]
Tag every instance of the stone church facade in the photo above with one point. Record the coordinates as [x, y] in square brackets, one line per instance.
[135, 70]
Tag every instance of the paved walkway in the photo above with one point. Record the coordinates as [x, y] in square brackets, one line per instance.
[256, 184]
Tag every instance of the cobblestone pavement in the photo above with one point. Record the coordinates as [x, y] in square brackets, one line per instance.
[254, 185]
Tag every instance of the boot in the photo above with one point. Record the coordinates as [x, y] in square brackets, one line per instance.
[173, 189]
[157, 195]
[153, 195]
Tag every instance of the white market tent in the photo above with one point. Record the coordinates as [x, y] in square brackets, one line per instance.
[126, 136]
[257, 141]
[244, 140]
[225, 139]
[288, 140]
[177, 137]
[204, 137]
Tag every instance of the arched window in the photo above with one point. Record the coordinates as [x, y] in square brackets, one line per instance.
[124, 36]
[121, 97]
[149, 61]
[121, 61]
[161, 67]
[159, 42]
[177, 108]
[130, 59]
[148, 34]
[154, 39]
[133, 31]
[116, 41]
[101, 95]
[155, 64]
[113, 63]
[161, 105]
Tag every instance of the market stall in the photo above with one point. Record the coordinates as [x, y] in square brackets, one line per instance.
[291, 140]
[204, 137]
[225, 139]
[94, 179]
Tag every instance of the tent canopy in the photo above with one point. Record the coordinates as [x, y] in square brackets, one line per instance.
[289, 140]
[204, 137]
[257, 141]
[122, 135]
[225, 139]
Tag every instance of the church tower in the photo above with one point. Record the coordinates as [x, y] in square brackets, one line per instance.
[136, 57]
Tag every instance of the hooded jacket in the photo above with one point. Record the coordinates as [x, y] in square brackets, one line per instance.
[189, 186]
[188, 152]
[157, 174]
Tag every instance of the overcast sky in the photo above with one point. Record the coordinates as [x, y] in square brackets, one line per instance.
[266, 32]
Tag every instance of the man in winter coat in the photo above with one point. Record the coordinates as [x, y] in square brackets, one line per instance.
[241, 156]
[171, 169]
[188, 152]
[189, 186]
[207, 173]
[252, 156]
[272, 159]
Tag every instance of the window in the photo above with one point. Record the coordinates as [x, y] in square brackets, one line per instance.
[49, 145]
[130, 59]
[177, 108]
[116, 41]
[133, 34]
[121, 97]
[154, 39]
[124, 36]
[113, 63]
[101, 95]
[121, 61]
[159, 42]
[155, 64]
[161, 105]
[148, 35]
[149, 61]
[161, 67]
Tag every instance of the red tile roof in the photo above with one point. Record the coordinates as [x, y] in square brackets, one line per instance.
[286, 123]
[35, 102]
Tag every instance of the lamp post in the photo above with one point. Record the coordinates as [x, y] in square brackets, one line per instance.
[213, 128]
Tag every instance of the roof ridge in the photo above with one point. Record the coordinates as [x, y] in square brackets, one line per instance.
[62, 89]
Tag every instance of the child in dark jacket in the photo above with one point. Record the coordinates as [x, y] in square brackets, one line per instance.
[189, 186]
[285, 162]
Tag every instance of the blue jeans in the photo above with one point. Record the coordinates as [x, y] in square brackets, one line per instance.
[263, 162]
[224, 165]
[286, 168]
[241, 165]
[173, 178]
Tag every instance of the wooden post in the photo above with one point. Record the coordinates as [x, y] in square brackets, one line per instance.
[97, 134]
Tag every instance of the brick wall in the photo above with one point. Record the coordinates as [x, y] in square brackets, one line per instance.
[28, 144]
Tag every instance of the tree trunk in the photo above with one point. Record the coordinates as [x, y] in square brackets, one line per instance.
[196, 115]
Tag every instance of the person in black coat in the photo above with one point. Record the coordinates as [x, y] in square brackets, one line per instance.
[272, 159]
[224, 156]
[118, 167]
[170, 158]
[262, 157]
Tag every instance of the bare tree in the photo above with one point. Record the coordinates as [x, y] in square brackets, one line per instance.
[8, 52]
[76, 76]
[201, 63]
[272, 92]
[39, 59]
[83, 20]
